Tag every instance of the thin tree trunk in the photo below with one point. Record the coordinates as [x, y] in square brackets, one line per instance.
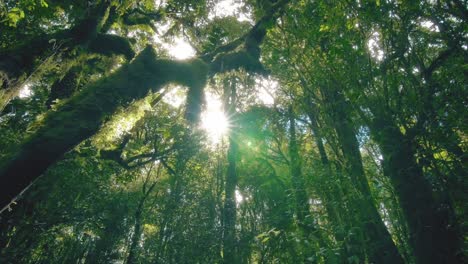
[230, 210]
[304, 219]
[302, 204]
[133, 249]
[137, 231]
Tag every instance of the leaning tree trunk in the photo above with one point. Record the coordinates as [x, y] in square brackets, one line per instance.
[20, 62]
[433, 237]
[380, 246]
[82, 116]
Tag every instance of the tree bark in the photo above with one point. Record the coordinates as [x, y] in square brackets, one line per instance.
[230, 248]
[380, 246]
[432, 235]
[82, 116]
[20, 62]
[230, 210]
[133, 249]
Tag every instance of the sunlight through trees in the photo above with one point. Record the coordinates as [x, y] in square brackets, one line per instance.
[233, 131]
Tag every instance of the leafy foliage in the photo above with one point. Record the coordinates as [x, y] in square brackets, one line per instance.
[346, 132]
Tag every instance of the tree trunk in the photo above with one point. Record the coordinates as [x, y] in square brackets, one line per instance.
[84, 114]
[336, 212]
[302, 203]
[432, 235]
[380, 246]
[230, 210]
[66, 86]
[133, 249]
[229, 216]
[304, 219]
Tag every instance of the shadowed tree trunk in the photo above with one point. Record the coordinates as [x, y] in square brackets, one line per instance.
[229, 211]
[230, 254]
[304, 219]
[380, 246]
[82, 116]
[20, 62]
[432, 235]
[336, 215]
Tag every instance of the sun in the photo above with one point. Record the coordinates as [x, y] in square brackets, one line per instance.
[215, 124]
[214, 121]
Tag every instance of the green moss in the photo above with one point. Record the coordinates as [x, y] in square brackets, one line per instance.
[236, 60]
[82, 116]
[111, 45]
[195, 103]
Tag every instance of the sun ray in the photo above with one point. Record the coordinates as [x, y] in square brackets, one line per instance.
[214, 120]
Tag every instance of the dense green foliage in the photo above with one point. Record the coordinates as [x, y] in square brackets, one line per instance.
[345, 143]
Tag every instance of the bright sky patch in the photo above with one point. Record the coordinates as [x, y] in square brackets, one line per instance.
[374, 46]
[230, 8]
[175, 97]
[266, 89]
[181, 49]
[25, 91]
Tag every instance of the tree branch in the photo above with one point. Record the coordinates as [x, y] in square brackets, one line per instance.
[83, 114]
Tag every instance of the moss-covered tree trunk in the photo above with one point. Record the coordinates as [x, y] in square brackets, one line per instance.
[82, 116]
[21, 61]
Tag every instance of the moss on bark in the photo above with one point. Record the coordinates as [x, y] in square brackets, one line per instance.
[82, 115]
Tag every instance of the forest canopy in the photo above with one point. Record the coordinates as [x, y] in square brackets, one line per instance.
[233, 131]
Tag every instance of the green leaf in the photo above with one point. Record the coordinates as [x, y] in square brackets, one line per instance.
[324, 28]
[44, 3]
[14, 16]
